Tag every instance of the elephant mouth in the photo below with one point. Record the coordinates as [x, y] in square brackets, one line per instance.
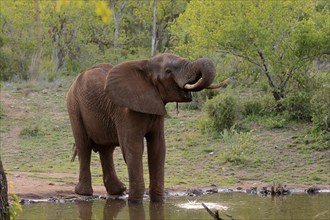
[187, 89]
[187, 95]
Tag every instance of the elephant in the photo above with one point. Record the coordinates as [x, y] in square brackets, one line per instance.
[122, 105]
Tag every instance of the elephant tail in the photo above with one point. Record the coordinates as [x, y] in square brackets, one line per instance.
[74, 151]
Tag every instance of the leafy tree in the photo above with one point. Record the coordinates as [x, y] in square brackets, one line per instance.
[35, 65]
[138, 24]
[278, 40]
[17, 38]
[153, 37]
[117, 8]
[67, 36]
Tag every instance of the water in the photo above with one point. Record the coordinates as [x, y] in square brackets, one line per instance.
[238, 205]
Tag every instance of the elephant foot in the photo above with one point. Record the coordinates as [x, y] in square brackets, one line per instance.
[157, 199]
[116, 189]
[84, 190]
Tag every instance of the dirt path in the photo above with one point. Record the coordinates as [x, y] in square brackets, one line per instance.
[38, 186]
[15, 112]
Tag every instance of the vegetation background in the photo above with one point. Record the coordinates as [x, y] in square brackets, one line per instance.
[270, 124]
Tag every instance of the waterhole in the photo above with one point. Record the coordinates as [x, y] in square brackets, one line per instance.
[237, 205]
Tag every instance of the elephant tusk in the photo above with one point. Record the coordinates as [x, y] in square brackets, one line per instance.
[195, 85]
[219, 85]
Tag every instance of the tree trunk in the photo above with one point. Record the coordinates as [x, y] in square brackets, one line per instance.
[277, 93]
[4, 214]
[153, 37]
[35, 65]
[117, 18]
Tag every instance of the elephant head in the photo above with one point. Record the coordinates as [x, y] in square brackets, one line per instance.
[147, 85]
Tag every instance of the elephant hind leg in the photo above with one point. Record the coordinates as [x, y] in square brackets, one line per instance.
[84, 186]
[84, 151]
[110, 179]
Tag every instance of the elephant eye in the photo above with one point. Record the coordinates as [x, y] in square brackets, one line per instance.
[168, 71]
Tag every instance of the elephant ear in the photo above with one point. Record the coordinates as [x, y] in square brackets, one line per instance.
[128, 85]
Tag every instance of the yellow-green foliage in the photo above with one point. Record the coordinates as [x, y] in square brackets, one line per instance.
[14, 206]
[276, 42]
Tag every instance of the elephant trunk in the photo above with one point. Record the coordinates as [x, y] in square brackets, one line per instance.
[204, 74]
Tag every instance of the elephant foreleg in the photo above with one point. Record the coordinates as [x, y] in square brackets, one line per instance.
[156, 160]
[111, 182]
[133, 153]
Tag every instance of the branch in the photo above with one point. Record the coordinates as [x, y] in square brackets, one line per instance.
[214, 215]
[265, 68]
[326, 123]
[240, 55]
[283, 83]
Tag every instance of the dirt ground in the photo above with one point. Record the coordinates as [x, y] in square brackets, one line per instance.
[38, 187]
[26, 186]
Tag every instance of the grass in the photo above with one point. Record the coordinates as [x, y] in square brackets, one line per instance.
[36, 137]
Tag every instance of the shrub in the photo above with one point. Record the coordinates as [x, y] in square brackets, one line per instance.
[224, 111]
[297, 106]
[252, 106]
[258, 105]
[15, 207]
[276, 121]
[320, 109]
[205, 125]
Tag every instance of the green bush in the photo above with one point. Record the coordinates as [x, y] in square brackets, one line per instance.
[15, 207]
[224, 111]
[204, 124]
[252, 106]
[258, 105]
[297, 106]
[320, 109]
[275, 121]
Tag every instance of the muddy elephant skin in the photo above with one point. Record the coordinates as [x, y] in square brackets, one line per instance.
[121, 105]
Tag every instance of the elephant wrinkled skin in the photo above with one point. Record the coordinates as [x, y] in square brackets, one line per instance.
[121, 105]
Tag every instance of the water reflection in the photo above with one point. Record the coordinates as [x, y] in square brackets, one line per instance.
[85, 210]
[156, 211]
[239, 205]
[113, 208]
